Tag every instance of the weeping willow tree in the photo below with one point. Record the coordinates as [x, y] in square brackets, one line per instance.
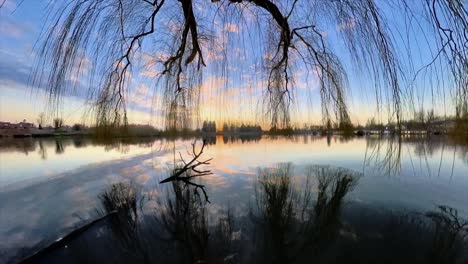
[181, 40]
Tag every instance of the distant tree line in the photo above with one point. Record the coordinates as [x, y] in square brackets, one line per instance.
[57, 124]
[421, 120]
[242, 129]
[209, 127]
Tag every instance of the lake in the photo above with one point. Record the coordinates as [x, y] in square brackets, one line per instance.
[346, 186]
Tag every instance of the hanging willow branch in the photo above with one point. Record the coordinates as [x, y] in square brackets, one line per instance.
[114, 34]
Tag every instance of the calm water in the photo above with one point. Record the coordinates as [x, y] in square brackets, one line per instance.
[50, 187]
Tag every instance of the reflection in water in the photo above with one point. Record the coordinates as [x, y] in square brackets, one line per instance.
[286, 214]
[184, 221]
[288, 223]
[293, 220]
[242, 138]
[27, 145]
[386, 153]
[210, 139]
[333, 185]
[450, 234]
[42, 150]
[59, 148]
[190, 170]
[79, 142]
[120, 203]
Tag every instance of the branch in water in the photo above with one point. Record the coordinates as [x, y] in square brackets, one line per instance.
[190, 170]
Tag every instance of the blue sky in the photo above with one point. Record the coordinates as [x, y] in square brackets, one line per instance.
[21, 28]
[19, 99]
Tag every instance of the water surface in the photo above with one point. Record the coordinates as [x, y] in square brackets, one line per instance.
[49, 187]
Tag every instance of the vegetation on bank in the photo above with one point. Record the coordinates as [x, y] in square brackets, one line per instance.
[421, 123]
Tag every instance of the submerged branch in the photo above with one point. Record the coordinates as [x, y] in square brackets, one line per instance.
[190, 170]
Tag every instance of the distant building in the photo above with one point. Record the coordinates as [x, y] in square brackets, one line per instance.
[5, 125]
[25, 125]
[12, 129]
[443, 125]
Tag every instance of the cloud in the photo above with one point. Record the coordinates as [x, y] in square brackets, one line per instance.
[16, 73]
[306, 80]
[213, 55]
[143, 99]
[81, 69]
[150, 74]
[140, 96]
[14, 29]
[233, 28]
[213, 83]
[13, 69]
[215, 180]
[152, 62]
[142, 89]
[216, 50]
[347, 25]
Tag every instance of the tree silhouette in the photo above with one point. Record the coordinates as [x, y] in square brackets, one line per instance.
[41, 119]
[58, 123]
[175, 38]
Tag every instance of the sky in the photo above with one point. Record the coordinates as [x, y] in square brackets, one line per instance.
[235, 96]
[19, 34]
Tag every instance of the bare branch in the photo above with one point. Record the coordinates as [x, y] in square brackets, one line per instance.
[190, 170]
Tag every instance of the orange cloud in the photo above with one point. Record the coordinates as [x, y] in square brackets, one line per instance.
[233, 28]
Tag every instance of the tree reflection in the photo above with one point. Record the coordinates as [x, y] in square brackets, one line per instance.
[333, 185]
[58, 144]
[23, 145]
[242, 138]
[42, 150]
[119, 201]
[210, 140]
[385, 154]
[59, 148]
[122, 202]
[184, 221]
[450, 233]
[79, 142]
[276, 210]
[292, 219]
[288, 223]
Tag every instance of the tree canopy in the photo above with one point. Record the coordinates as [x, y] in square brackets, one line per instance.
[180, 40]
